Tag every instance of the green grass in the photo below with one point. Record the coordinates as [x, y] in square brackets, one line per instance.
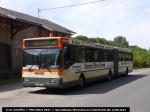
[9, 81]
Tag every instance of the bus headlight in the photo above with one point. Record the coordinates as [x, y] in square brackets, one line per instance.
[26, 79]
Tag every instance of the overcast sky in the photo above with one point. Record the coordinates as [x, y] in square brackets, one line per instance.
[107, 19]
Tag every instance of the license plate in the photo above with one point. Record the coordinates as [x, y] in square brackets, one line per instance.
[37, 84]
[39, 73]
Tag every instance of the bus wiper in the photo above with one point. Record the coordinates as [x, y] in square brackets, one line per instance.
[39, 59]
[31, 67]
[46, 65]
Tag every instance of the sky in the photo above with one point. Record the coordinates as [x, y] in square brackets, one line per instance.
[106, 19]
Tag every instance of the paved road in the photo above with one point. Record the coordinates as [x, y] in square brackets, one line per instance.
[132, 91]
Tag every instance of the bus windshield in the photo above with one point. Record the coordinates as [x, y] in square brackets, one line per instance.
[42, 58]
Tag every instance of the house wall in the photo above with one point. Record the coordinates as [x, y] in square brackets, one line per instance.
[15, 44]
[5, 47]
[5, 34]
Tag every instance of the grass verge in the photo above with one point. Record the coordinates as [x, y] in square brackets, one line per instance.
[9, 81]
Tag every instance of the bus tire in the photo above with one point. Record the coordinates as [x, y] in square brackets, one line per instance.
[127, 71]
[109, 76]
[81, 82]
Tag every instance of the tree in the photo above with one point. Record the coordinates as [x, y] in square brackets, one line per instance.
[140, 57]
[111, 43]
[98, 40]
[93, 40]
[121, 41]
[102, 41]
[82, 37]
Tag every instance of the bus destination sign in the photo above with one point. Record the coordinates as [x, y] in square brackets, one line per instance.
[41, 43]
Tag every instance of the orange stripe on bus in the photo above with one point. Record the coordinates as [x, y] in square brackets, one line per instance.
[43, 70]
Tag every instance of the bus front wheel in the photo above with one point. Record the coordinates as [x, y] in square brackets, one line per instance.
[127, 71]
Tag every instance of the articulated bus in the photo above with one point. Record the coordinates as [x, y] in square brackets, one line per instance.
[60, 62]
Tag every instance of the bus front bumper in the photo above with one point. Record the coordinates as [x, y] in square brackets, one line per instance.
[48, 83]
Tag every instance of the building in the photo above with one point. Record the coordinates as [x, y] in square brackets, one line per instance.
[14, 26]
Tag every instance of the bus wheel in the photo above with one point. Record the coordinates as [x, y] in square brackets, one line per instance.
[109, 76]
[127, 71]
[81, 82]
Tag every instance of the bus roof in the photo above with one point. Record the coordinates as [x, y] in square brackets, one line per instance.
[89, 44]
[97, 45]
[83, 43]
[123, 49]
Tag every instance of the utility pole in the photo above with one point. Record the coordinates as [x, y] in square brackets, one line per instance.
[39, 12]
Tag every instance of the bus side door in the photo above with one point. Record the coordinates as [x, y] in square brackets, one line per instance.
[116, 62]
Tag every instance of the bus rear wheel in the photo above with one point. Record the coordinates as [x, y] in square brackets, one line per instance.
[81, 82]
[109, 76]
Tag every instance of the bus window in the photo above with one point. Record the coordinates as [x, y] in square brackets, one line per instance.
[109, 55]
[101, 55]
[96, 57]
[73, 54]
[89, 55]
[130, 56]
[79, 54]
[119, 56]
[69, 56]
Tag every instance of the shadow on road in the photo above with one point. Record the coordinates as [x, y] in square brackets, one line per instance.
[10, 87]
[99, 87]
